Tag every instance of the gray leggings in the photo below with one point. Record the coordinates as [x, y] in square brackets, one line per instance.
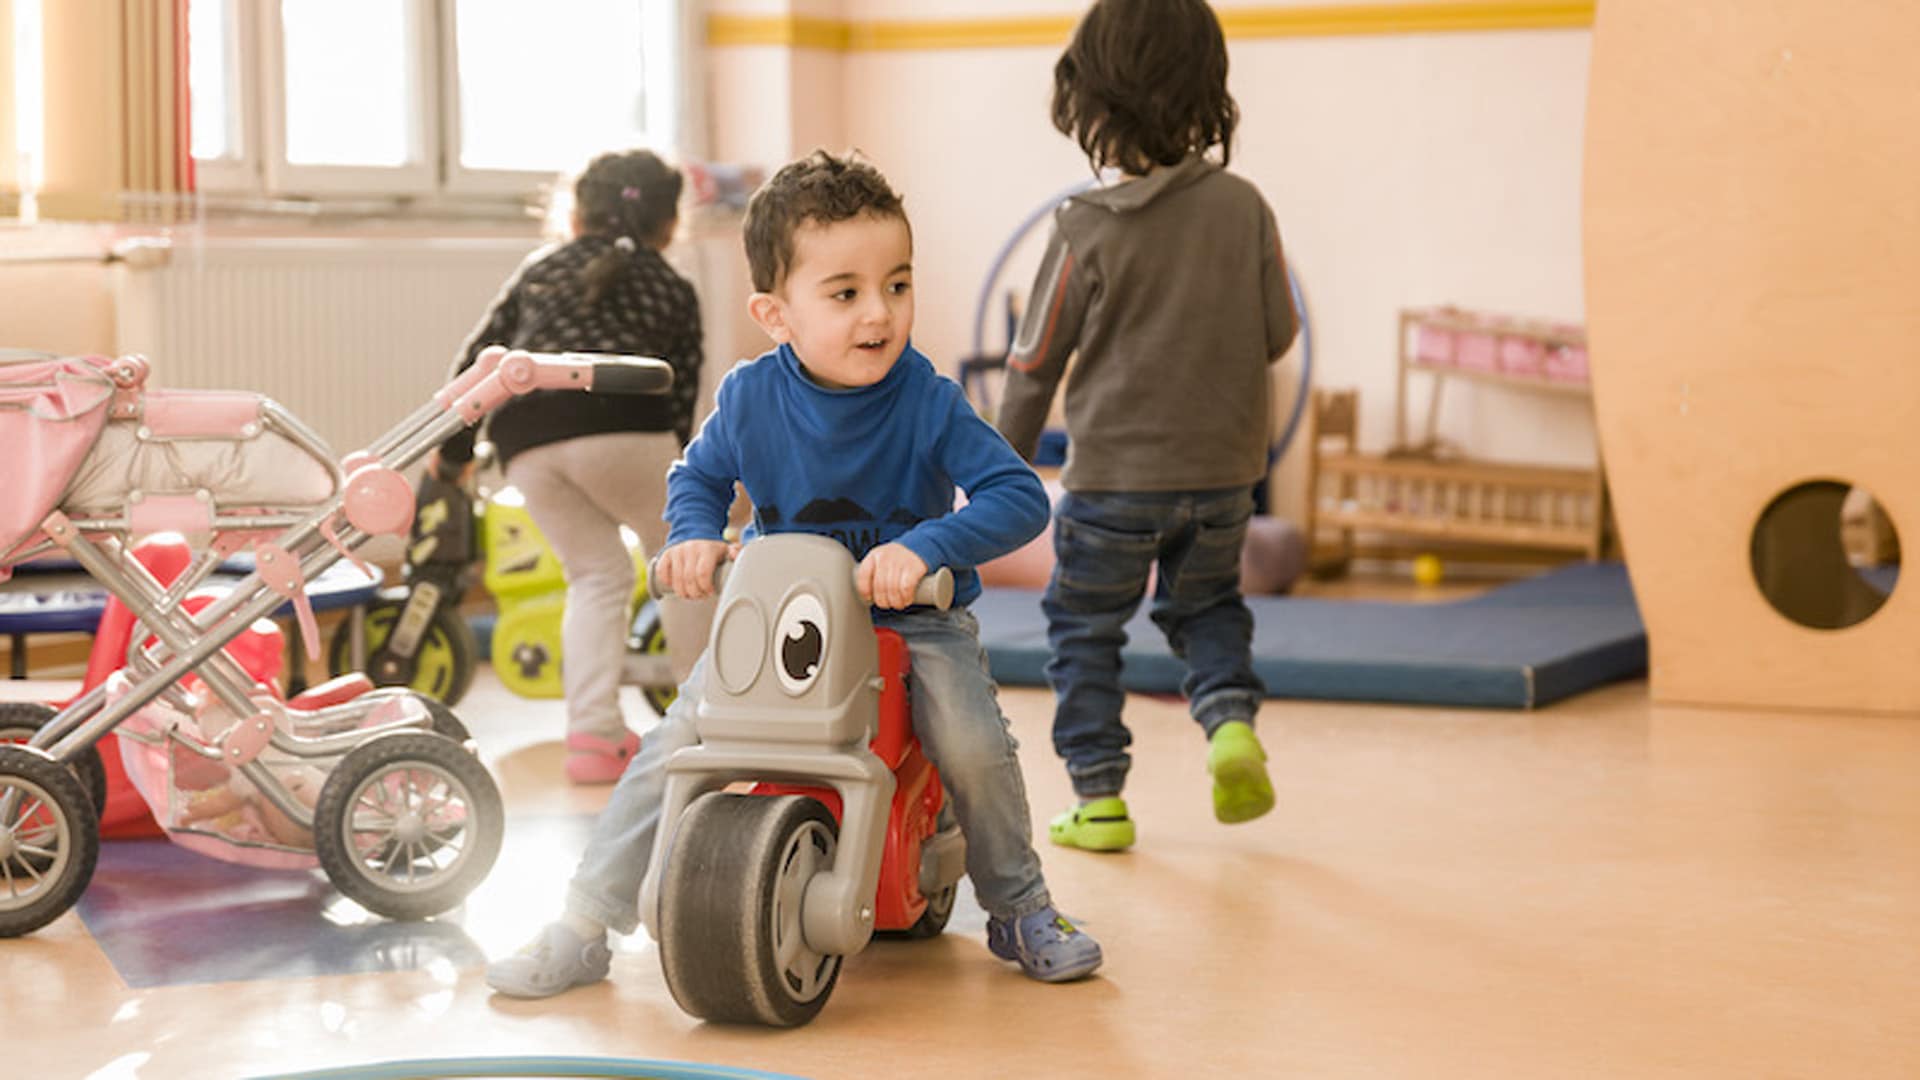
[579, 492]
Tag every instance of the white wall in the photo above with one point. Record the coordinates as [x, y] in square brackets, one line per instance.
[55, 294]
[1405, 170]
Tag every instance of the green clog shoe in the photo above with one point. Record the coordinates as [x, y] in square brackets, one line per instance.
[1094, 825]
[1241, 790]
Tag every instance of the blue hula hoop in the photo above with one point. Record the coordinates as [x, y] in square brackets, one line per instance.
[532, 1066]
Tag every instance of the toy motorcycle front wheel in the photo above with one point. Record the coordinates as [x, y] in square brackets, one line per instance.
[731, 892]
[49, 840]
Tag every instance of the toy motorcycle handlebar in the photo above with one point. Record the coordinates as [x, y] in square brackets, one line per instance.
[934, 590]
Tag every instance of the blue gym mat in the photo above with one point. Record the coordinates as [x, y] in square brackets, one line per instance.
[1518, 646]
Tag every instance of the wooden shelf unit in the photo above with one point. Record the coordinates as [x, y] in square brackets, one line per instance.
[1446, 343]
[1415, 490]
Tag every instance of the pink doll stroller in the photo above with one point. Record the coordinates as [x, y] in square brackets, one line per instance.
[381, 789]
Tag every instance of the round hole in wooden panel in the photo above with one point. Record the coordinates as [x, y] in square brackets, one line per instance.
[1825, 554]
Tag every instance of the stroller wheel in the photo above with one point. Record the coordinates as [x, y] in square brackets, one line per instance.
[444, 720]
[443, 666]
[49, 840]
[731, 892]
[407, 824]
[18, 722]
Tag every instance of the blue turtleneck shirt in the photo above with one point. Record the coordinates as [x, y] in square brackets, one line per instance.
[866, 466]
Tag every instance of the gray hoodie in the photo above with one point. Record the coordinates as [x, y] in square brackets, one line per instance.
[1172, 290]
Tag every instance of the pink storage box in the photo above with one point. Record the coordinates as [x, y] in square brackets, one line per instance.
[1522, 356]
[1433, 344]
[1473, 346]
[1477, 350]
[1567, 363]
[1476, 341]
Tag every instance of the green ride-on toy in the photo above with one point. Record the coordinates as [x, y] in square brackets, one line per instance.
[415, 636]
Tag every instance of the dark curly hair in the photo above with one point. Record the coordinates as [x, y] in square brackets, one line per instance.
[629, 195]
[1144, 83]
[820, 187]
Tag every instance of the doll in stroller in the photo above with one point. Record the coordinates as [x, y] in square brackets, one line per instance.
[378, 788]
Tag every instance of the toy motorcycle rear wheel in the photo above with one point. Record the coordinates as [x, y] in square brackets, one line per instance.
[444, 666]
[49, 840]
[731, 890]
[407, 824]
[19, 720]
[933, 921]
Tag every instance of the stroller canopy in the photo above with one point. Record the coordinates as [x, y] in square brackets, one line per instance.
[52, 409]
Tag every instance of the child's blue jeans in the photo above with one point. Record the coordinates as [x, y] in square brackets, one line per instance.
[956, 714]
[1105, 544]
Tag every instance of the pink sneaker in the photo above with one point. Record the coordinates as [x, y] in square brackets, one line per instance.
[595, 760]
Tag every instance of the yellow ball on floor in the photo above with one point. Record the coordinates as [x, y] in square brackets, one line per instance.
[1426, 570]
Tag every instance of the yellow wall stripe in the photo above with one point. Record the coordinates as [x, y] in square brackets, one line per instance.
[842, 35]
[790, 31]
[1049, 30]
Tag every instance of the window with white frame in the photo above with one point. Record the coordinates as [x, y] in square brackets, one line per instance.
[423, 97]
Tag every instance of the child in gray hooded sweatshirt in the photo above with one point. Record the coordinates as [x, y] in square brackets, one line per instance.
[1169, 283]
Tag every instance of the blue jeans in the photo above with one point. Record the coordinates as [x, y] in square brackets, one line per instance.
[956, 714]
[1105, 544]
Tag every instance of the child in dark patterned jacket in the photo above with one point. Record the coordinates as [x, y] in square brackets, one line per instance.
[589, 465]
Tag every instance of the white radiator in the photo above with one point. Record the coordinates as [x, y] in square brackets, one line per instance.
[350, 335]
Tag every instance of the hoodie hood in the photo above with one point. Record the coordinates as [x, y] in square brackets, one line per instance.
[1133, 194]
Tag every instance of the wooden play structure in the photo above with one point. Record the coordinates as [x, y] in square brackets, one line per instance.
[1421, 488]
[1751, 212]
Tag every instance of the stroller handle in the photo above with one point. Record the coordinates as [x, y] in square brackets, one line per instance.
[499, 373]
[627, 374]
[600, 373]
[935, 589]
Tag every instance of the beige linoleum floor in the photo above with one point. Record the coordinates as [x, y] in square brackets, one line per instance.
[1602, 888]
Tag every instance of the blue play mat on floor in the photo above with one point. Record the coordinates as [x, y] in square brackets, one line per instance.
[1517, 646]
[167, 916]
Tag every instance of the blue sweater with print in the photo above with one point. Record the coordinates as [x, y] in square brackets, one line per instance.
[867, 466]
